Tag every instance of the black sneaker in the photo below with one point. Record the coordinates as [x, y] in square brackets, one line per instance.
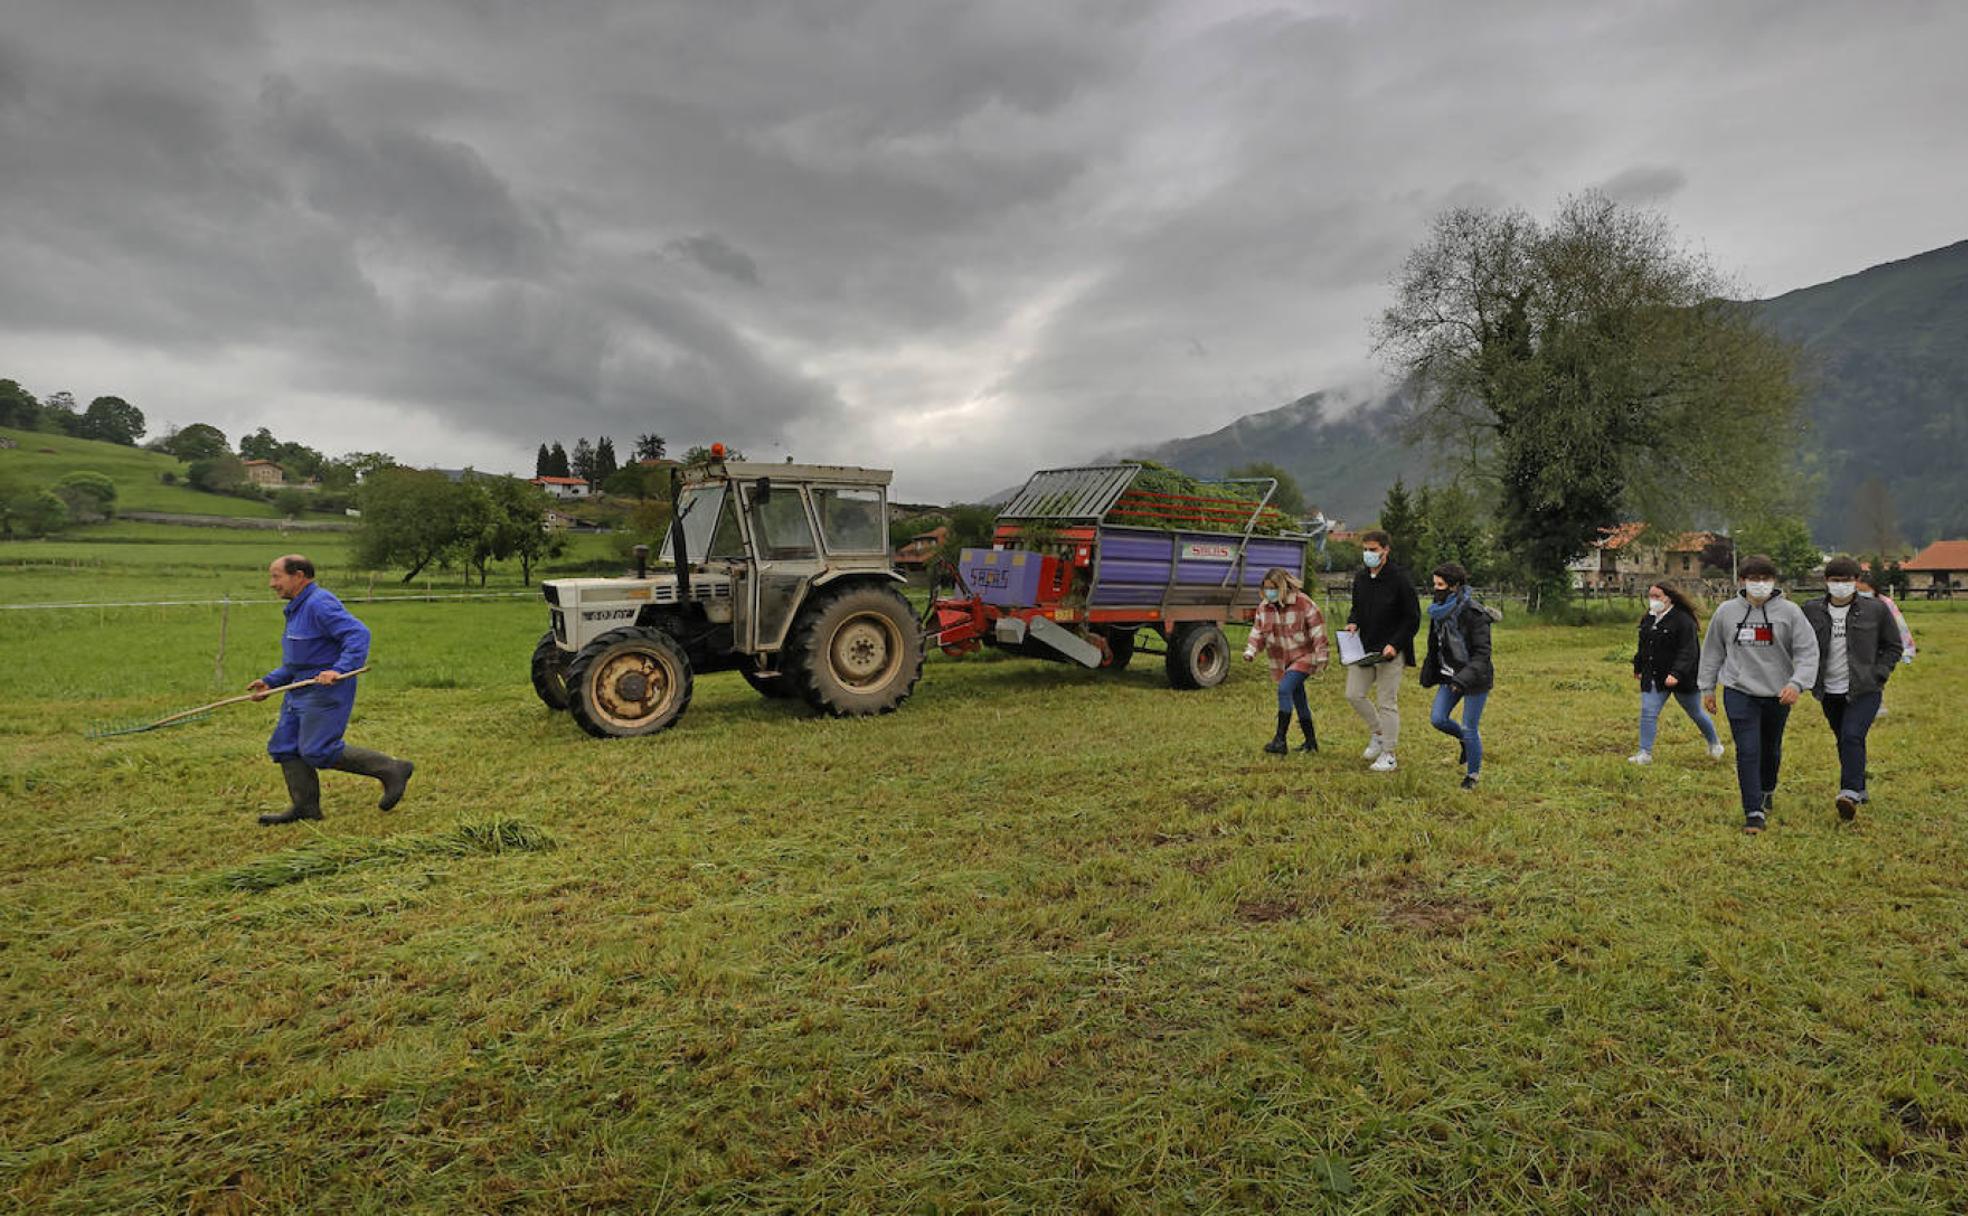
[1848, 805]
[1469, 782]
[1754, 822]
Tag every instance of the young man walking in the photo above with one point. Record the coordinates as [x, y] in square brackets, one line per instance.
[1760, 646]
[1385, 614]
[1860, 644]
[322, 642]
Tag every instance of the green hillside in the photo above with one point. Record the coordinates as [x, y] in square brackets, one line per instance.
[1889, 351]
[43, 459]
[1343, 458]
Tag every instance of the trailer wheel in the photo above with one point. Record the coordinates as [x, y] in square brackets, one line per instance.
[550, 672]
[1120, 646]
[858, 652]
[1198, 655]
[633, 681]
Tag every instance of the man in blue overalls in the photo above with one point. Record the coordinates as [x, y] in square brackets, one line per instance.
[321, 641]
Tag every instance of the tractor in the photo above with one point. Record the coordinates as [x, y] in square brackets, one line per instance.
[780, 572]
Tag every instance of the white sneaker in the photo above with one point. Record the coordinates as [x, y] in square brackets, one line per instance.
[1715, 751]
[1640, 758]
[1373, 749]
[1385, 764]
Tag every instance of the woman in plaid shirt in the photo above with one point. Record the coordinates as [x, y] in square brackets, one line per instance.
[1291, 631]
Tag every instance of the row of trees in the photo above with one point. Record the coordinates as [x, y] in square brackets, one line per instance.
[412, 518]
[594, 462]
[110, 419]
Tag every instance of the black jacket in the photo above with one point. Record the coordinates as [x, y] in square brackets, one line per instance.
[1670, 645]
[1872, 643]
[1463, 648]
[1387, 611]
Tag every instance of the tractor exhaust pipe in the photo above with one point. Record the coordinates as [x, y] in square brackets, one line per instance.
[642, 560]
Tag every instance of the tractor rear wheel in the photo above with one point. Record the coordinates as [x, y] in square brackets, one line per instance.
[1198, 655]
[550, 672]
[859, 652]
[633, 681]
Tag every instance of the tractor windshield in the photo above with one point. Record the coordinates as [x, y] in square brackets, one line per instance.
[703, 509]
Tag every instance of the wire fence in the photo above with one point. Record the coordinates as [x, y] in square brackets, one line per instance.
[418, 597]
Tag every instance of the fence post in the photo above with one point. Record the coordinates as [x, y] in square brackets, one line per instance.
[218, 663]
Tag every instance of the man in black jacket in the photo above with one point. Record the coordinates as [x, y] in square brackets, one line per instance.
[1385, 614]
[1860, 644]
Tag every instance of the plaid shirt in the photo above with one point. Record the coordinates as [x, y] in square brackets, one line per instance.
[1292, 635]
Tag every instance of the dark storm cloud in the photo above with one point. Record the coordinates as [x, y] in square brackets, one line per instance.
[961, 239]
[710, 251]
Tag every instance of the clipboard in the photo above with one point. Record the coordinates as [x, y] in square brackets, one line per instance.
[1353, 652]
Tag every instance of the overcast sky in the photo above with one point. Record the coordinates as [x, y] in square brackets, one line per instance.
[957, 239]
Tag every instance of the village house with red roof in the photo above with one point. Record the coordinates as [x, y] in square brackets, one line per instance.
[1939, 570]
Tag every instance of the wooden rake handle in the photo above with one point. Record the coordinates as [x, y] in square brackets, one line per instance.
[248, 696]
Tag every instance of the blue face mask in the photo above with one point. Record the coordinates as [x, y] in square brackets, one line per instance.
[1372, 558]
[1271, 594]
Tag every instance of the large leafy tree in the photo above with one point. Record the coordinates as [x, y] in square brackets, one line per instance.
[18, 408]
[583, 462]
[112, 420]
[1593, 369]
[650, 446]
[411, 518]
[199, 441]
[511, 524]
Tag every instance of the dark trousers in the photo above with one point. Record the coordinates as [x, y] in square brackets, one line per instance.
[1850, 718]
[1757, 724]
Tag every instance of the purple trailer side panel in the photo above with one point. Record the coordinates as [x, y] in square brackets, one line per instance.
[1006, 578]
[1134, 563]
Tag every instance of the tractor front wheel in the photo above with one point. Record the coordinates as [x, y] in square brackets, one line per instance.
[627, 682]
[550, 672]
[859, 652]
[1198, 655]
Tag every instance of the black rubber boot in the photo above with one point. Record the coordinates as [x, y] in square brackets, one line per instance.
[303, 794]
[393, 773]
[1277, 745]
[1311, 743]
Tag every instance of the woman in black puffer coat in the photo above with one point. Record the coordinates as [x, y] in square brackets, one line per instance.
[1458, 665]
[1665, 663]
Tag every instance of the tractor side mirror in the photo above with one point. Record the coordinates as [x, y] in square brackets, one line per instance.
[762, 490]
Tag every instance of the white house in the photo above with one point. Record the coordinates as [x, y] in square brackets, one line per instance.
[562, 487]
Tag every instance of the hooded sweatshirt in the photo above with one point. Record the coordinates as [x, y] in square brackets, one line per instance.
[1759, 648]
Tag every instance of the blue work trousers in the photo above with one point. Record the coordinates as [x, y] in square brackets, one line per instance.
[312, 721]
[1651, 704]
[1291, 695]
[1446, 697]
[1757, 723]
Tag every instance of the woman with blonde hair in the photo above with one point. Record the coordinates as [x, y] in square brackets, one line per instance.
[1289, 628]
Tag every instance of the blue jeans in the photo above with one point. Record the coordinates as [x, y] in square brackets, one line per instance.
[1651, 704]
[1758, 726]
[312, 721]
[1850, 718]
[1472, 715]
[1291, 696]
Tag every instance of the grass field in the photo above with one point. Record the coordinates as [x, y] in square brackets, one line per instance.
[1044, 940]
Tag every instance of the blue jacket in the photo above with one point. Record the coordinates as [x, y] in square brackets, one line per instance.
[320, 635]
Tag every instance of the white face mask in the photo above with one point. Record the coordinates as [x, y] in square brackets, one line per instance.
[1371, 557]
[1840, 591]
[1759, 589]
[1657, 606]
[1869, 594]
[1271, 594]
